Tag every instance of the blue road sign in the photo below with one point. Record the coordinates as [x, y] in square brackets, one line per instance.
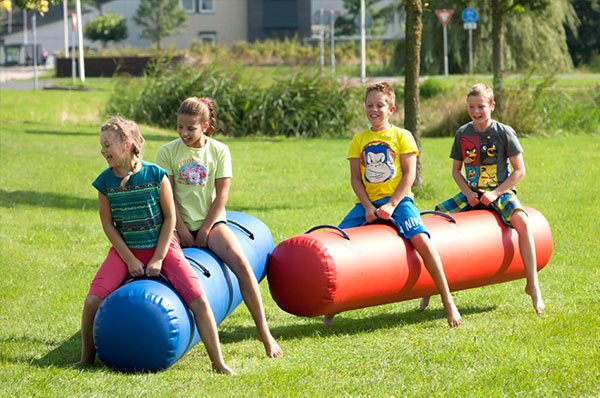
[469, 15]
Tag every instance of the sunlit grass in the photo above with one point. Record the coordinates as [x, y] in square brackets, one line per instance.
[51, 244]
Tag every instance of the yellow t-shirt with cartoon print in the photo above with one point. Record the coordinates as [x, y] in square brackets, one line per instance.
[379, 154]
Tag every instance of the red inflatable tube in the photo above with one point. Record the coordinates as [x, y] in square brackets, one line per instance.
[332, 270]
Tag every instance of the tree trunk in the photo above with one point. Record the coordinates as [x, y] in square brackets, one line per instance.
[414, 28]
[498, 54]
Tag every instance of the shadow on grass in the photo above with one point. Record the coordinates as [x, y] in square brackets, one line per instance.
[45, 199]
[63, 356]
[265, 207]
[69, 350]
[346, 324]
[148, 137]
[67, 353]
[57, 132]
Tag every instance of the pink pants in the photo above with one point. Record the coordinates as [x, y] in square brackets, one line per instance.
[174, 267]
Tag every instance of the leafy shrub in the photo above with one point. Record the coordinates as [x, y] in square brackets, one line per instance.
[536, 107]
[300, 106]
[533, 107]
[431, 87]
[105, 28]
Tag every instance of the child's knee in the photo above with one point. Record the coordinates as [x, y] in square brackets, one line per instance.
[92, 302]
[520, 221]
[420, 241]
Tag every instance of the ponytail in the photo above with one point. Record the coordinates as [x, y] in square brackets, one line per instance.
[202, 107]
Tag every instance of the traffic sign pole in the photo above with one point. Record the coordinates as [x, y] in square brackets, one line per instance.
[470, 51]
[363, 69]
[322, 42]
[444, 17]
[445, 51]
[469, 16]
[332, 33]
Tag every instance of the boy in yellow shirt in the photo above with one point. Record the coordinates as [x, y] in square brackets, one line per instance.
[383, 162]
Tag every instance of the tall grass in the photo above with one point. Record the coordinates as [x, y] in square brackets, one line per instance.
[51, 244]
[534, 106]
[299, 105]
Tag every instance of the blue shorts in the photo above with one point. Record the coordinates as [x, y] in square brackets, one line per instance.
[406, 216]
[505, 205]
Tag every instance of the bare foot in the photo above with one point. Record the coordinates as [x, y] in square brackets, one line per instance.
[536, 298]
[223, 369]
[453, 316]
[327, 319]
[80, 364]
[424, 303]
[272, 348]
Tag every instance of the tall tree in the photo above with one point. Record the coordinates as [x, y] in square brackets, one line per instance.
[159, 19]
[345, 25]
[414, 28]
[583, 39]
[500, 8]
[40, 6]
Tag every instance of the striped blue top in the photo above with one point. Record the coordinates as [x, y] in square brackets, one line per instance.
[136, 208]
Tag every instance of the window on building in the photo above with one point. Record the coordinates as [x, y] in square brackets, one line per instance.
[198, 6]
[208, 37]
[207, 5]
[189, 5]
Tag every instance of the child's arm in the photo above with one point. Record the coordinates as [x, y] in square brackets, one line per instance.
[185, 237]
[517, 175]
[409, 170]
[359, 189]
[472, 196]
[216, 207]
[135, 266]
[167, 207]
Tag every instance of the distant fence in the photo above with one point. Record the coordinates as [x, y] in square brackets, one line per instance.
[107, 66]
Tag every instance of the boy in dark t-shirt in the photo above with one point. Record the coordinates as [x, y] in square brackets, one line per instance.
[486, 147]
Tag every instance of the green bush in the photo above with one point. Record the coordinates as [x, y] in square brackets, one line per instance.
[105, 28]
[536, 107]
[431, 87]
[299, 105]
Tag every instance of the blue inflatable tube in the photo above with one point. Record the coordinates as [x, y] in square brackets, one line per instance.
[145, 325]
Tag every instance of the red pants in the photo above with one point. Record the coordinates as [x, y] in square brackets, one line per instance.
[174, 267]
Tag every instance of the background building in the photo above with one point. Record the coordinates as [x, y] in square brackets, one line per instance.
[220, 21]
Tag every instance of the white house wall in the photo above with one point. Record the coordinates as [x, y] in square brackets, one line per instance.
[228, 21]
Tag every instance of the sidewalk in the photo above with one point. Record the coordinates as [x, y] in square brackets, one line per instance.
[21, 77]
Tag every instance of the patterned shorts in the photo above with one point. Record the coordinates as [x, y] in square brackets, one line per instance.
[505, 205]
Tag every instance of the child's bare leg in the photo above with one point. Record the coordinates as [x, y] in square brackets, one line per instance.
[327, 319]
[88, 349]
[207, 328]
[433, 263]
[224, 244]
[527, 247]
[424, 303]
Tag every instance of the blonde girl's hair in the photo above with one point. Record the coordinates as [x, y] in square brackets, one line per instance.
[126, 131]
[203, 108]
[482, 90]
[386, 89]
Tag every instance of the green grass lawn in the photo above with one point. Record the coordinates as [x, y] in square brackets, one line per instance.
[52, 244]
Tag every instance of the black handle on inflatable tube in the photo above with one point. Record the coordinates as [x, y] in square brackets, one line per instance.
[134, 278]
[439, 213]
[240, 226]
[389, 221]
[341, 231]
[205, 270]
